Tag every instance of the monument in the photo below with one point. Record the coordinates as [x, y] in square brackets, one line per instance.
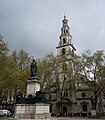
[33, 84]
[33, 106]
[93, 103]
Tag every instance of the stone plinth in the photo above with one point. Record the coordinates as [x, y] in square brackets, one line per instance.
[33, 85]
[93, 113]
[36, 111]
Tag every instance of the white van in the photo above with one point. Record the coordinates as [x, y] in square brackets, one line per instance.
[4, 112]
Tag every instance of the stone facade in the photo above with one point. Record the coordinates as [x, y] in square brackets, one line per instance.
[75, 105]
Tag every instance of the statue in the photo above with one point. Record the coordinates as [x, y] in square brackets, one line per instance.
[30, 99]
[93, 101]
[33, 69]
[40, 97]
[19, 96]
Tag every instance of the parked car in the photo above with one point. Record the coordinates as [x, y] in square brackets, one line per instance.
[4, 112]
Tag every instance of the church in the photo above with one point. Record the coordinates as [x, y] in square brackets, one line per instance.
[66, 101]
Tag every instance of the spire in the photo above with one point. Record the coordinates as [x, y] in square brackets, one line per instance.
[64, 21]
[64, 16]
[65, 44]
[65, 28]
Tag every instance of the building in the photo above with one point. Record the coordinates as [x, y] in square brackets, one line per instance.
[65, 51]
[65, 100]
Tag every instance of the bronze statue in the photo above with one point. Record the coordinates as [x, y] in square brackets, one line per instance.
[93, 101]
[33, 68]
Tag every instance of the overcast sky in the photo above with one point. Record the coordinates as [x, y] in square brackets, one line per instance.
[34, 25]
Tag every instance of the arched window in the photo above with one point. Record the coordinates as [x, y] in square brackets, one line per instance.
[84, 107]
[64, 40]
[63, 51]
[66, 31]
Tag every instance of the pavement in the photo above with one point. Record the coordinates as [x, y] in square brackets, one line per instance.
[63, 118]
[79, 118]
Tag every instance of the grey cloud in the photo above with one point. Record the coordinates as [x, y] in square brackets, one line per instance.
[34, 25]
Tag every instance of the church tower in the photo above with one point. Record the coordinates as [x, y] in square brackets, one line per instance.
[65, 50]
[67, 100]
[66, 58]
[65, 45]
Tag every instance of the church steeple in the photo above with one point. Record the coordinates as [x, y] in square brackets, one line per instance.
[65, 44]
[64, 21]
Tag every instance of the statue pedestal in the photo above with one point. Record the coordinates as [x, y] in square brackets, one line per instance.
[33, 85]
[38, 111]
[93, 113]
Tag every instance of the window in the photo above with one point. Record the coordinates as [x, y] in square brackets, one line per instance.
[83, 94]
[63, 51]
[84, 107]
[64, 40]
[66, 31]
[50, 108]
